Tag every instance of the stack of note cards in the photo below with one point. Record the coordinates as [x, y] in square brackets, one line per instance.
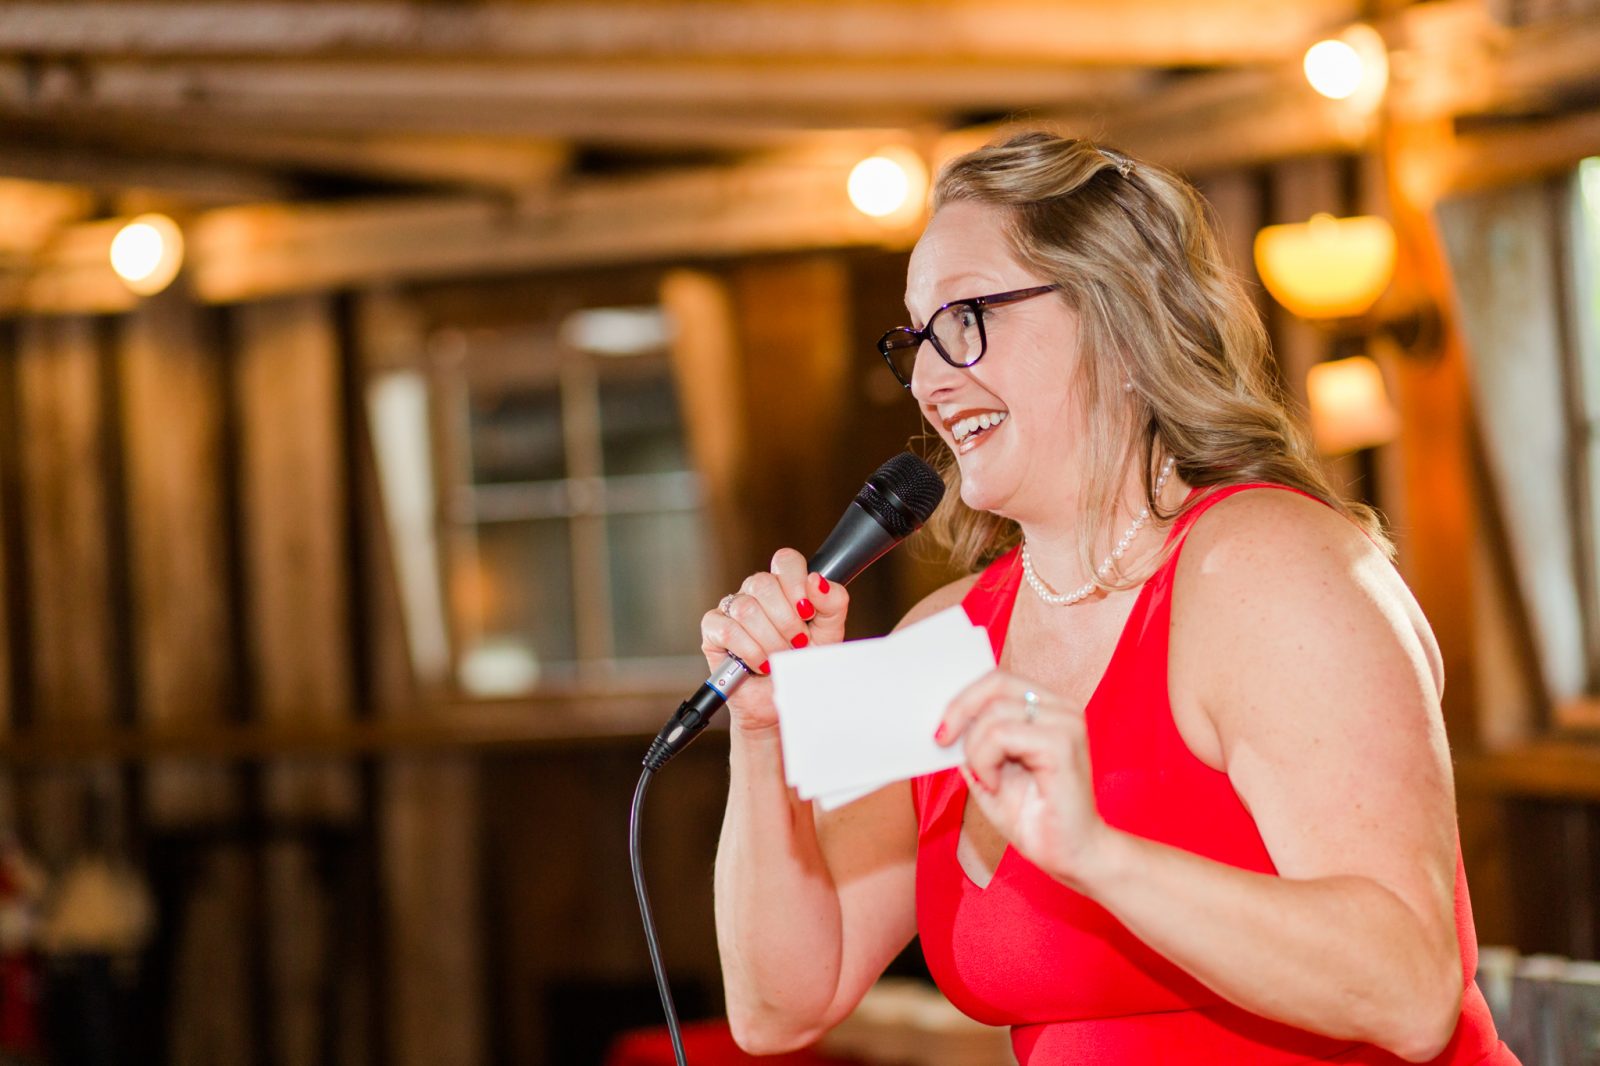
[859, 715]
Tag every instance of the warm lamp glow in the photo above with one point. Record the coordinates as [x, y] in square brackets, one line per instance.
[1334, 69]
[1328, 267]
[1354, 64]
[889, 185]
[1350, 408]
[147, 252]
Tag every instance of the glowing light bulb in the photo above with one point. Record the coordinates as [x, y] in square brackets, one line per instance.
[888, 184]
[147, 252]
[1334, 68]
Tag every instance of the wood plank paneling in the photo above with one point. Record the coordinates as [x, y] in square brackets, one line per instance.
[68, 591]
[791, 322]
[1235, 199]
[63, 463]
[288, 392]
[296, 561]
[16, 694]
[172, 415]
[6, 600]
[212, 959]
[432, 855]
[559, 897]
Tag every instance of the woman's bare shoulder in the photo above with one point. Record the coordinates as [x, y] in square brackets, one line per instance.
[940, 599]
[1277, 590]
[1254, 527]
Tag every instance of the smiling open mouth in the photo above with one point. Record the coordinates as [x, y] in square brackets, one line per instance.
[969, 429]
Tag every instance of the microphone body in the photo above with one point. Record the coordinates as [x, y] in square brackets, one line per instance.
[894, 503]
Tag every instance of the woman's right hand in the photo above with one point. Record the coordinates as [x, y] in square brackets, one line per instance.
[773, 611]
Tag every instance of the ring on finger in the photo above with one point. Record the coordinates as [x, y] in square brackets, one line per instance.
[1030, 706]
[725, 602]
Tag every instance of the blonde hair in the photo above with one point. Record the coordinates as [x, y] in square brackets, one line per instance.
[1132, 249]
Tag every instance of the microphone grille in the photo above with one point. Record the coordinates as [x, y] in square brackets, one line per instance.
[902, 494]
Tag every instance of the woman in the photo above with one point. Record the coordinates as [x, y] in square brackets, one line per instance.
[1206, 810]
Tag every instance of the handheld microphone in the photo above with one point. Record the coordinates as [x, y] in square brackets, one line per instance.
[894, 503]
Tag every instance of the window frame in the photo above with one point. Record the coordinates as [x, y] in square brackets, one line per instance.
[465, 360]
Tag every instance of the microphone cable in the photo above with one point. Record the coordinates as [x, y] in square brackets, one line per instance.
[654, 946]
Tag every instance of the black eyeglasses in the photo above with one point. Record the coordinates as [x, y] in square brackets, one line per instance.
[955, 331]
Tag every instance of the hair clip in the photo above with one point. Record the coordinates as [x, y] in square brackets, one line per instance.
[1123, 164]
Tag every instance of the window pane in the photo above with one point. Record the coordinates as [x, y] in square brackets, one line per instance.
[658, 582]
[517, 607]
[1586, 271]
[640, 426]
[516, 436]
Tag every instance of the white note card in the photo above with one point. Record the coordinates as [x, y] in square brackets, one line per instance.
[859, 715]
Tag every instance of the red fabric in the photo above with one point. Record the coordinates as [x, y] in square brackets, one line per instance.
[705, 1044]
[1072, 981]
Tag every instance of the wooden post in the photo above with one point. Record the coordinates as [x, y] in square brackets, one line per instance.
[297, 585]
[172, 411]
[431, 863]
[791, 325]
[68, 584]
[709, 371]
[1433, 403]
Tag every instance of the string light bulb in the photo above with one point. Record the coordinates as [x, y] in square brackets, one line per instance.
[1334, 69]
[891, 184]
[147, 253]
[1353, 66]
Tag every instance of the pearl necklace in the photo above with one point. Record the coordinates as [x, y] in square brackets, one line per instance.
[1077, 595]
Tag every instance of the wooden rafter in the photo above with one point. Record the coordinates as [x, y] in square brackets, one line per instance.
[1145, 32]
[251, 252]
[101, 146]
[111, 170]
[362, 86]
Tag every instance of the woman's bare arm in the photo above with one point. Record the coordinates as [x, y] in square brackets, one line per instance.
[810, 905]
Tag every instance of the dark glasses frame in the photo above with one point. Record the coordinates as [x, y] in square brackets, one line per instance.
[906, 338]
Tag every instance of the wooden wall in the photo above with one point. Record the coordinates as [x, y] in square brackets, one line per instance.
[201, 644]
[182, 560]
[210, 678]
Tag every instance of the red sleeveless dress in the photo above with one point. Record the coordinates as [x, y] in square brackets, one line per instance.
[1073, 983]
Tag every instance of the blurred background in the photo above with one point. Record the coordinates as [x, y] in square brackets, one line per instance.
[387, 386]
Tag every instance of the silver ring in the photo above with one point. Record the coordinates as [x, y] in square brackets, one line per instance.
[722, 604]
[1030, 704]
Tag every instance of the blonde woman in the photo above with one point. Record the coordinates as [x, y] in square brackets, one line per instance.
[1206, 812]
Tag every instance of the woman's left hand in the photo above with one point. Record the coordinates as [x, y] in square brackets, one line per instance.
[1028, 769]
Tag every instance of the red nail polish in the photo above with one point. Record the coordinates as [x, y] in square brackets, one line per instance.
[822, 584]
[938, 734]
[800, 641]
[807, 612]
[762, 669]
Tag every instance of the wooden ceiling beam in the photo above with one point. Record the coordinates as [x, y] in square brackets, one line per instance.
[501, 165]
[638, 127]
[1451, 59]
[112, 171]
[367, 85]
[1432, 161]
[253, 252]
[1138, 32]
[708, 104]
[1240, 118]
[33, 211]
[1207, 122]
